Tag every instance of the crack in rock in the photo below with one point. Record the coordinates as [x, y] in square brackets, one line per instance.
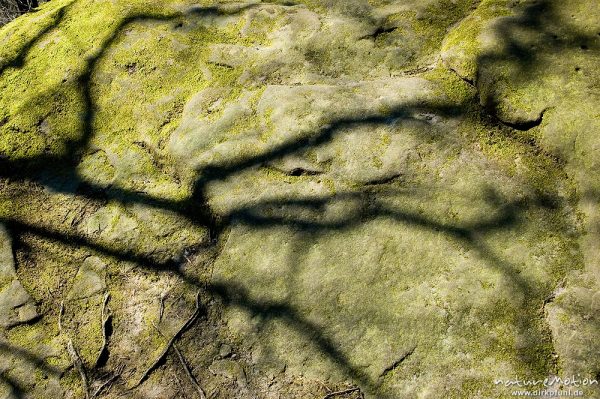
[398, 362]
[384, 180]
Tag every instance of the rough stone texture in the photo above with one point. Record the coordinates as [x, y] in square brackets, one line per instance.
[89, 280]
[16, 305]
[397, 196]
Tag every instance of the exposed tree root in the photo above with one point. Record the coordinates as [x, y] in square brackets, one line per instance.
[108, 383]
[188, 372]
[184, 327]
[78, 364]
[340, 393]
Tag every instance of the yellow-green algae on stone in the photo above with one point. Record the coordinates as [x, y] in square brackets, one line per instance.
[395, 195]
[549, 68]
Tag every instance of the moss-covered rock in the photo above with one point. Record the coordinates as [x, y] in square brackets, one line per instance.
[397, 196]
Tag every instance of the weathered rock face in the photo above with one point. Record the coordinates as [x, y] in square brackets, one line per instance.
[15, 303]
[278, 199]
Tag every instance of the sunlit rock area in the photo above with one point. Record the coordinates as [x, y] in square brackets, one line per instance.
[379, 199]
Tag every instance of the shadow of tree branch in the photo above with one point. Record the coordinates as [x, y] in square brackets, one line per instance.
[197, 208]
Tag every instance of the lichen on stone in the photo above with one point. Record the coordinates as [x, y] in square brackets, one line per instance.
[395, 198]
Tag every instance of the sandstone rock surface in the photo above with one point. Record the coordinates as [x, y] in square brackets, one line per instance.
[286, 199]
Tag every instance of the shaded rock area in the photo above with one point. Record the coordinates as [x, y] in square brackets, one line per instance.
[311, 199]
[16, 305]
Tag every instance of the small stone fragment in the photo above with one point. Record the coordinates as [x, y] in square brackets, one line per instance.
[229, 369]
[89, 279]
[225, 351]
[16, 305]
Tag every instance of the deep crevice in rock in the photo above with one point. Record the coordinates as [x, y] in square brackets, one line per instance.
[380, 31]
[523, 125]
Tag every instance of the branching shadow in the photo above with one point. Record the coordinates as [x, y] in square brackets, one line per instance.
[528, 40]
[18, 389]
[17, 60]
[197, 209]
